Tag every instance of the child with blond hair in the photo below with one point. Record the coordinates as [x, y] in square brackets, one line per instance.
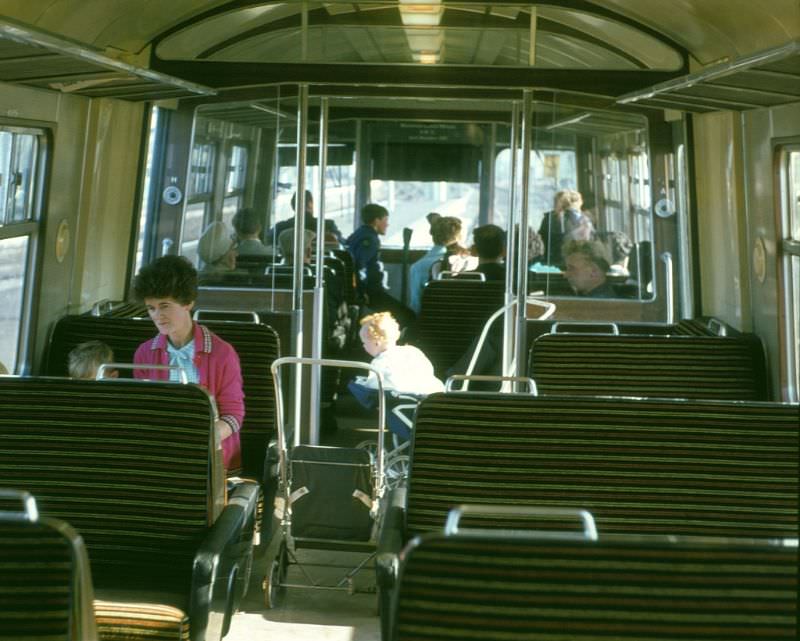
[85, 359]
[404, 368]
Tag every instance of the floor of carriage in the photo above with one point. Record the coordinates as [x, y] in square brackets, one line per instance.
[309, 614]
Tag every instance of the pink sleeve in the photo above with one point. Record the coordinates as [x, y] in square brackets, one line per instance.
[228, 389]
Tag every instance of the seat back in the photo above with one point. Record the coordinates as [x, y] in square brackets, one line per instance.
[711, 367]
[127, 463]
[44, 574]
[692, 467]
[257, 346]
[452, 316]
[622, 588]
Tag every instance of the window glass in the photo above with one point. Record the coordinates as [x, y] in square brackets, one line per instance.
[792, 270]
[409, 202]
[202, 170]
[192, 229]
[237, 169]
[13, 267]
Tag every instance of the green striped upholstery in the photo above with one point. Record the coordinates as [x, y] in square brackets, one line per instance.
[257, 346]
[127, 464]
[621, 589]
[666, 366]
[41, 567]
[640, 466]
[452, 316]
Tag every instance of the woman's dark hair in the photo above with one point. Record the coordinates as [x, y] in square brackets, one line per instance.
[167, 277]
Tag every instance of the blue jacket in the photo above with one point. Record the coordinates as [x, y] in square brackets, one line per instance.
[364, 246]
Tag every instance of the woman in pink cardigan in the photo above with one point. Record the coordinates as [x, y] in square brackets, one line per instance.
[168, 287]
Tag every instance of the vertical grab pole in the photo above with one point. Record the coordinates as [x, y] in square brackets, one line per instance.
[669, 286]
[508, 318]
[319, 281]
[522, 258]
[297, 267]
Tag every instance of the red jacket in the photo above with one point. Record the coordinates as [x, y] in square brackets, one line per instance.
[220, 374]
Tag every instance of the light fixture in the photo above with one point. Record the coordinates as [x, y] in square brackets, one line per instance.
[421, 14]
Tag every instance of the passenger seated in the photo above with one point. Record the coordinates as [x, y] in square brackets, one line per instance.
[217, 249]
[620, 246]
[85, 359]
[490, 246]
[286, 245]
[587, 265]
[405, 369]
[248, 234]
[445, 230]
[168, 288]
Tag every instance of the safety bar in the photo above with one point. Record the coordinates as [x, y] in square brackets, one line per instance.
[324, 362]
[253, 316]
[129, 366]
[448, 386]
[102, 306]
[29, 510]
[465, 275]
[454, 517]
[613, 327]
[549, 310]
[669, 280]
[717, 327]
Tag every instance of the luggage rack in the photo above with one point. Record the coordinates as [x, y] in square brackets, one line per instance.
[328, 498]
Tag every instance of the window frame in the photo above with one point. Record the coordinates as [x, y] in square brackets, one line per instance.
[788, 251]
[31, 228]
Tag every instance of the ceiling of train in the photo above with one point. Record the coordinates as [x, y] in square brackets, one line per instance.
[590, 51]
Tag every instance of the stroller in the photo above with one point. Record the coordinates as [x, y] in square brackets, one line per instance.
[400, 421]
[328, 498]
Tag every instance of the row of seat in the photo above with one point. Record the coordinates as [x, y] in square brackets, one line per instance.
[134, 467]
[642, 467]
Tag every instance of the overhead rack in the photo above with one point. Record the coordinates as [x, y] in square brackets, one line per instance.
[765, 79]
[45, 61]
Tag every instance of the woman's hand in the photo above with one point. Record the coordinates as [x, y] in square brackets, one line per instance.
[223, 429]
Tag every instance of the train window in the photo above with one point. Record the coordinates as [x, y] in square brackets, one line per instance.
[790, 181]
[199, 202]
[21, 157]
[235, 181]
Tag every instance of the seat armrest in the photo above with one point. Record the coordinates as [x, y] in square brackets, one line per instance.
[216, 564]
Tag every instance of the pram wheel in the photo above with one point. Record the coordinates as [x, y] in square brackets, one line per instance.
[397, 471]
[273, 581]
[370, 446]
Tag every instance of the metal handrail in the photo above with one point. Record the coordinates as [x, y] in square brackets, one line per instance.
[454, 517]
[133, 366]
[612, 326]
[29, 509]
[255, 318]
[448, 386]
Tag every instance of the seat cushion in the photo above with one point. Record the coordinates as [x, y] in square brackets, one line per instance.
[123, 617]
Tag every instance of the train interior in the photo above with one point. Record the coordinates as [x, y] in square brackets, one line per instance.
[127, 129]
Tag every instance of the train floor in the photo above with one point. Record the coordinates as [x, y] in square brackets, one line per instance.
[313, 614]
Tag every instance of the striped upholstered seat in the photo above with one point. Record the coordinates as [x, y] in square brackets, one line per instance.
[706, 468]
[257, 346]
[45, 582]
[691, 467]
[452, 316]
[710, 367]
[620, 588]
[128, 464]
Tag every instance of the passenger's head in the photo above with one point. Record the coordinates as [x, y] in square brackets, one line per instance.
[309, 202]
[620, 245]
[167, 277]
[376, 216]
[168, 288]
[217, 246]
[246, 223]
[432, 218]
[490, 242]
[446, 230]
[379, 332]
[85, 359]
[569, 199]
[286, 244]
[587, 263]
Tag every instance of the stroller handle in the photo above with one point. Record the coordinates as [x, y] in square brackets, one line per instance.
[324, 362]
